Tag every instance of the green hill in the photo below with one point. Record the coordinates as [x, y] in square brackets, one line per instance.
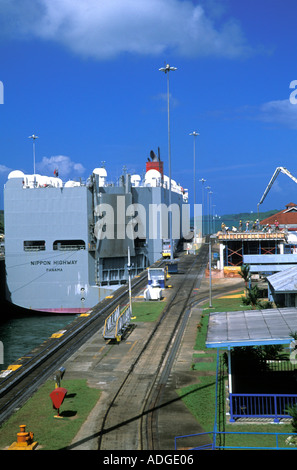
[251, 216]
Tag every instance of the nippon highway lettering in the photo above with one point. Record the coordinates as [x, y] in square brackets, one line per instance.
[53, 263]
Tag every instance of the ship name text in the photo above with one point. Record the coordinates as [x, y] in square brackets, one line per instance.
[54, 263]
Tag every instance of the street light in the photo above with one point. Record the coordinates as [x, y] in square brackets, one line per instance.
[211, 237]
[34, 137]
[194, 134]
[209, 220]
[166, 70]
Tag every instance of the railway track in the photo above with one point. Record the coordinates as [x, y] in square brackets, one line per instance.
[37, 366]
[130, 418]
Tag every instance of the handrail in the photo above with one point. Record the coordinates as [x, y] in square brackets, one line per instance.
[260, 405]
[108, 319]
[120, 321]
[289, 442]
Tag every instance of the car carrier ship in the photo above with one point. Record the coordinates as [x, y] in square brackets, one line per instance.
[66, 245]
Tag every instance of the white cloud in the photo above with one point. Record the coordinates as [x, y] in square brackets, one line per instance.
[4, 169]
[103, 29]
[279, 111]
[63, 163]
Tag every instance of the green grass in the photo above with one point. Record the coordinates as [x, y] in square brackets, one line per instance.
[147, 311]
[38, 413]
[200, 398]
[228, 305]
[38, 416]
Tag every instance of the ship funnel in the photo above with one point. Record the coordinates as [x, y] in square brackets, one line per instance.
[155, 163]
[153, 156]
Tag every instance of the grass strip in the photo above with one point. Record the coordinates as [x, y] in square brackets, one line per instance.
[38, 416]
[147, 311]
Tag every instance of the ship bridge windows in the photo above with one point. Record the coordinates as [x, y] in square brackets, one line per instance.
[34, 245]
[69, 245]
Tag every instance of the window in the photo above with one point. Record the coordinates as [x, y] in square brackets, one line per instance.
[34, 245]
[68, 245]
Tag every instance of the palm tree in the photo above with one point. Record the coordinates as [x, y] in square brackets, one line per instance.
[253, 295]
[245, 274]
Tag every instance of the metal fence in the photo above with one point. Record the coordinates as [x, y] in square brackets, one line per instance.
[244, 440]
[260, 405]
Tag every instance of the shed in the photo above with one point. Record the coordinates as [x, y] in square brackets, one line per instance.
[282, 287]
[228, 330]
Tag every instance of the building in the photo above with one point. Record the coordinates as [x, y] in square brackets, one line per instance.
[282, 287]
[286, 218]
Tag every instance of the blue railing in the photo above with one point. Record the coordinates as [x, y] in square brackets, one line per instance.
[273, 441]
[274, 406]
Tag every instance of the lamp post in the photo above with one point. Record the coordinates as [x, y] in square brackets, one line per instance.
[194, 134]
[211, 237]
[166, 70]
[210, 216]
[33, 137]
[129, 268]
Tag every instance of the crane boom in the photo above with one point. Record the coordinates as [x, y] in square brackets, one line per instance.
[278, 170]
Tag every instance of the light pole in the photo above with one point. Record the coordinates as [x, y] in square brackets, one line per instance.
[129, 268]
[202, 181]
[211, 237]
[166, 70]
[194, 134]
[33, 137]
[210, 224]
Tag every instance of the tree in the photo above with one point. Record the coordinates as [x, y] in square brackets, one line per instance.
[245, 274]
[252, 297]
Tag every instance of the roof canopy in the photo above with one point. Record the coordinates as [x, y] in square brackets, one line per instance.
[284, 281]
[251, 328]
[285, 217]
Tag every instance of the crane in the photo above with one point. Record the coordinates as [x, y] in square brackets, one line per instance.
[279, 169]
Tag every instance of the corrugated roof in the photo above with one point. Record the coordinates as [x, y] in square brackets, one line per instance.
[286, 217]
[251, 327]
[284, 281]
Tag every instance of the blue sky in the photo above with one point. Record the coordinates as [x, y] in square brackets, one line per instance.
[83, 76]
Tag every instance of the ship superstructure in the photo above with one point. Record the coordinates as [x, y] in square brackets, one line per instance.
[66, 244]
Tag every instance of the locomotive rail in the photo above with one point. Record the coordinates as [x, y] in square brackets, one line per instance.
[30, 371]
[140, 391]
[127, 418]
